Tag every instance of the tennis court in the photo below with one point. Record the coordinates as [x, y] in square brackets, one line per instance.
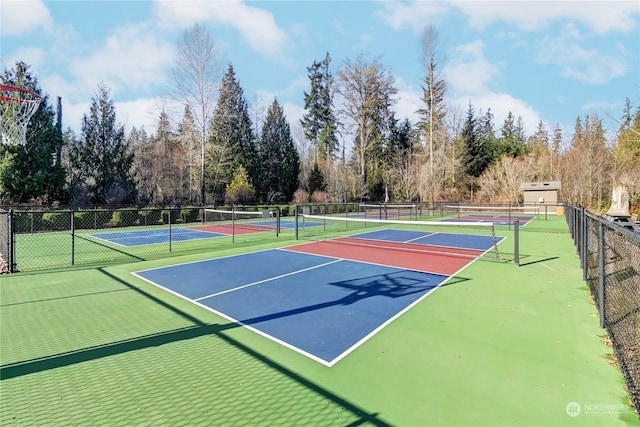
[496, 344]
[324, 299]
[180, 234]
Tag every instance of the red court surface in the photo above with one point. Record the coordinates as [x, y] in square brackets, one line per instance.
[425, 258]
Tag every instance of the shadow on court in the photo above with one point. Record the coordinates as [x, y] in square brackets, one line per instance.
[393, 285]
[199, 329]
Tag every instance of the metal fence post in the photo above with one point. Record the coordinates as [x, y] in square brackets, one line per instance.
[516, 242]
[601, 293]
[73, 239]
[169, 219]
[584, 256]
[296, 215]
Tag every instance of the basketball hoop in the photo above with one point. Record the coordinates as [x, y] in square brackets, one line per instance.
[17, 106]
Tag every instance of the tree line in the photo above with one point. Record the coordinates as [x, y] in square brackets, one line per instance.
[221, 151]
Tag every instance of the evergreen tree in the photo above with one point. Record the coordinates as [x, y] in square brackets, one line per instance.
[143, 165]
[315, 181]
[511, 138]
[398, 155]
[319, 122]
[478, 156]
[626, 155]
[103, 155]
[232, 143]
[32, 172]
[240, 190]
[279, 159]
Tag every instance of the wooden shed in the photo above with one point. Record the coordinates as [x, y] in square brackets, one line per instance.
[544, 193]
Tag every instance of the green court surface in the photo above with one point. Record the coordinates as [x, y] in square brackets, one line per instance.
[498, 345]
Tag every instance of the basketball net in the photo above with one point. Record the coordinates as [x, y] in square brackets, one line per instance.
[17, 106]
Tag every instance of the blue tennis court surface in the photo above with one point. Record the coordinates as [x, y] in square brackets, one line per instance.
[320, 305]
[150, 237]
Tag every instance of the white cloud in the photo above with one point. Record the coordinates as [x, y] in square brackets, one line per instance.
[600, 16]
[23, 16]
[293, 113]
[414, 15]
[258, 27]
[138, 113]
[407, 101]
[500, 104]
[469, 71]
[588, 65]
[132, 58]
[33, 56]
[469, 79]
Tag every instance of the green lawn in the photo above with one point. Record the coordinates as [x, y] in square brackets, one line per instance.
[498, 345]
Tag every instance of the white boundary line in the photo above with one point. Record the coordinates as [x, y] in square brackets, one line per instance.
[284, 343]
[166, 232]
[268, 280]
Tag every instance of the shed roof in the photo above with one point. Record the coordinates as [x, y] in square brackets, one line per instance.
[540, 186]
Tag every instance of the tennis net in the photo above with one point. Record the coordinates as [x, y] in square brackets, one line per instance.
[389, 211]
[262, 220]
[453, 237]
[492, 211]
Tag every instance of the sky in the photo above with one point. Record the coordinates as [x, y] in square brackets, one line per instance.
[549, 61]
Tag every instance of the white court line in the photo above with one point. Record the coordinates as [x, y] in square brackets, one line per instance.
[421, 237]
[267, 280]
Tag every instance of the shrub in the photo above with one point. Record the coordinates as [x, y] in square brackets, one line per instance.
[150, 216]
[175, 215]
[125, 217]
[190, 214]
[56, 221]
[83, 220]
[27, 222]
[102, 217]
[300, 196]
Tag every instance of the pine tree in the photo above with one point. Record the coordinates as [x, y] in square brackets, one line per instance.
[240, 190]
[476, 152]
[319, 122]
[232, 143]
[511, 139]
[315, 181]
[103, 155]
[279, 159]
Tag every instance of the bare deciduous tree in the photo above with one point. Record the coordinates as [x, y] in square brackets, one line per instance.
[196, 75]
[432, 115]
[367, 90]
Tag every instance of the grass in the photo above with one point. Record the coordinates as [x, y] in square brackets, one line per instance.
[498, 345]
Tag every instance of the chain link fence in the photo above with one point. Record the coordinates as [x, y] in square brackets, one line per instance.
[6, 242]
[45, 239]
[610, 258]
